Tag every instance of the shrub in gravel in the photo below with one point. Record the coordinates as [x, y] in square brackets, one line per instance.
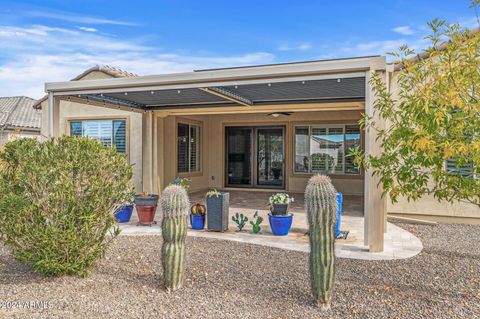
[57, 201]
[321, 204]
[175, 206]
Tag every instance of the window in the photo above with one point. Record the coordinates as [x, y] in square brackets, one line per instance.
[323, 149]
[109, 132]
[454, 168]
[188, 151]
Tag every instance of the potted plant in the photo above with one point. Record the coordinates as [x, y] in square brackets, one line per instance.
[146, 205]
[279, 203]
[280, 220]
[197, 216]
[124, 213]
[217, 210]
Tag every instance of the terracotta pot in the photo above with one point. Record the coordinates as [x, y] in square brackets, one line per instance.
[146, 214]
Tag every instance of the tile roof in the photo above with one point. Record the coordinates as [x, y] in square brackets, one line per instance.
[110, 70]
[18, 112]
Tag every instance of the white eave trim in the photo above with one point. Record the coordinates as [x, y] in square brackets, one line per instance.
[262, 74]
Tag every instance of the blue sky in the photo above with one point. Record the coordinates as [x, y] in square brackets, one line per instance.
[49, 40]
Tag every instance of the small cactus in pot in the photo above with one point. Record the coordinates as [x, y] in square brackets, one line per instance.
[321, 204]
[175, 205]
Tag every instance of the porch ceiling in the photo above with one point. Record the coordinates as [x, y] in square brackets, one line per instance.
[289, 92]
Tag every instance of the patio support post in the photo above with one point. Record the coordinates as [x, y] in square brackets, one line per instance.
[159, 153]
[374, 203]
[147, 152]
[53, 115]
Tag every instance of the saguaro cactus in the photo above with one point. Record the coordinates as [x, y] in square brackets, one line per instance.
[321, 204]
[175, 206]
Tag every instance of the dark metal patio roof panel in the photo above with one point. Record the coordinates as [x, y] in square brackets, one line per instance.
[185, 96]
[303, 90]
[336, 89]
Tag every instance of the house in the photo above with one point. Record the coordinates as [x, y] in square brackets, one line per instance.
[18, 118]
[267, 127]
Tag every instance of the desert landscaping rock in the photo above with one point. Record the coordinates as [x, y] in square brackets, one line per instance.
[227, 279]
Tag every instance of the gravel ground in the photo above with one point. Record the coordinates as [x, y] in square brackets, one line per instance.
[233, 280]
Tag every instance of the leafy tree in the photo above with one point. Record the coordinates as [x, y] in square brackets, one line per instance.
[432, 117]
[57, 200]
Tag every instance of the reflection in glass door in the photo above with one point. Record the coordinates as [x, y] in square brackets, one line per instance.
[255, 157]
[270, 157]
[239, 156]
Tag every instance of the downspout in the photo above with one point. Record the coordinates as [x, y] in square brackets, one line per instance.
[50, 114]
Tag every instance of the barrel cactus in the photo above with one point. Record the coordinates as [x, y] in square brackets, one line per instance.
[175, 205]
[321, 204]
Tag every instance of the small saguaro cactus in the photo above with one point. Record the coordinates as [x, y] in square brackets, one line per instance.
[175, 206]
[321, 204]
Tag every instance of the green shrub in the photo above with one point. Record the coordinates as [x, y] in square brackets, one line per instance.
[57, 201]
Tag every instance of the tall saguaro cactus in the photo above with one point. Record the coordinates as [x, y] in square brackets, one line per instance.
[175, 206]
[321, 204]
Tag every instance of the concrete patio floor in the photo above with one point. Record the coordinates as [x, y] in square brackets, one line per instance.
[399, 243]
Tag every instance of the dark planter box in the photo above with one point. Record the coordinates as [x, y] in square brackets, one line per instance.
[217, 212]
[279, 209]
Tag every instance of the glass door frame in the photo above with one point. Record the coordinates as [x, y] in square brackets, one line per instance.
[254, 156]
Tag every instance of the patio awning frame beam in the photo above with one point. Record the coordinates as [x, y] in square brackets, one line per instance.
[228, 95]
[180, 86]
[259, 103]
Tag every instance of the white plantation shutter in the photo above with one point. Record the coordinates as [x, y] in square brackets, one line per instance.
[188, 148]
[182, 151]
[194, 148]
[120, 135]
[109, 132]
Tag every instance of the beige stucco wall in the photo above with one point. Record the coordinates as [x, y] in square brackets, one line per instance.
[212, 150]
[428, 207]
[9, 135]
[71, 110]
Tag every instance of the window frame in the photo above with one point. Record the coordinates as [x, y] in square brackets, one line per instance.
[189, 122]
[309, 125]
[104, 118]
[458, 172]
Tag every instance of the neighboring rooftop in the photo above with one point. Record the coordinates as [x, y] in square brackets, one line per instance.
[109, 70]
[17, 112]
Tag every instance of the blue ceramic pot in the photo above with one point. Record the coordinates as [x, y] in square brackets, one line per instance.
[197, 221]
[339, 214]
[280, 224]
[124, 213]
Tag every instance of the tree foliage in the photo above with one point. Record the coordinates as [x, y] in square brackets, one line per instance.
[432, 116]
[57, 200]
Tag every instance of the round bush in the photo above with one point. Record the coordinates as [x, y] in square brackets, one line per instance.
[57, 201]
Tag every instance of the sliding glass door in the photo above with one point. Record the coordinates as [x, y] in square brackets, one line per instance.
[270, 157]
[255, 157]
[239, 156]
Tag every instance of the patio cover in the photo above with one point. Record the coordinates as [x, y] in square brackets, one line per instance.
[327, 81]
